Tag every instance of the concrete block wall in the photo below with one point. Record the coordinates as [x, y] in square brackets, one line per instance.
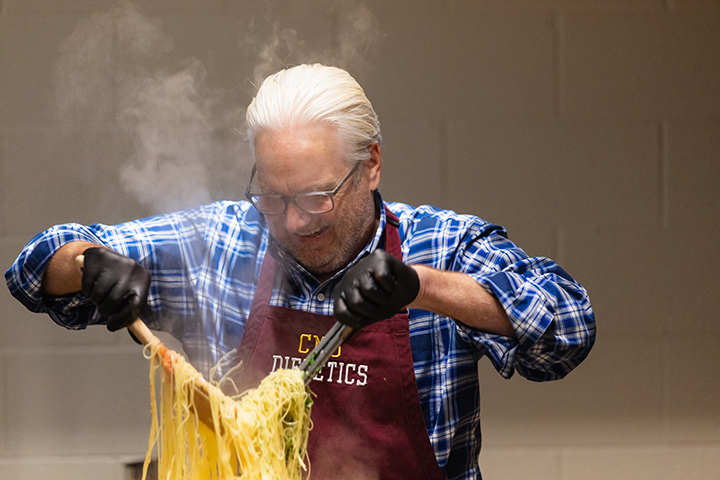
[591, 130]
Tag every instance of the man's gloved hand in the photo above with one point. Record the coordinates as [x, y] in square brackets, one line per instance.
[116, 284]
[375, 288]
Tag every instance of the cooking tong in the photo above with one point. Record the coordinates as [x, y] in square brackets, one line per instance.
[316, 359]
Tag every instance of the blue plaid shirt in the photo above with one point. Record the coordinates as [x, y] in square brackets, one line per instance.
[205, 264]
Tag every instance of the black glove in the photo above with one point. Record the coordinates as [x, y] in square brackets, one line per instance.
[375, 288]
[116, 284]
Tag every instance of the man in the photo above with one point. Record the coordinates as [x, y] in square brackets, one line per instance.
[401, 397]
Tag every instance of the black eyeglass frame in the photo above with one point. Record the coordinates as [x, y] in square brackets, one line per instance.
[293, 198]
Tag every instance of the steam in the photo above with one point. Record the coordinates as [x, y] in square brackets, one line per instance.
[120, 67]
[84, 72]
[356, 38]
[168, 115]
[172, 129]
[359, 37]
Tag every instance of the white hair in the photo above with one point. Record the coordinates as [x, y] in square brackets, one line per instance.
[307, 95]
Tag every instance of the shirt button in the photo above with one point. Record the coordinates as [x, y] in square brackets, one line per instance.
[321, 297]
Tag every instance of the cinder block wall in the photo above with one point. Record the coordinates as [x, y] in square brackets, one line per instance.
[591, 130]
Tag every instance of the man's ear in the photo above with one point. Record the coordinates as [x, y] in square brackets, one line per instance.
[374, 165]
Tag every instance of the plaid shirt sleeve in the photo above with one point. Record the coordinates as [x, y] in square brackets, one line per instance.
[185, 252]
[549, 310]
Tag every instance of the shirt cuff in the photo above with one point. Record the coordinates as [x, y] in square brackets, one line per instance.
[24, 277]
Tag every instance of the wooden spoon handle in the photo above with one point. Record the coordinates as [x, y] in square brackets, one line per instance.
[142, 332]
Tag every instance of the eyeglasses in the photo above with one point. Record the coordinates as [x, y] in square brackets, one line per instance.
[310, 202]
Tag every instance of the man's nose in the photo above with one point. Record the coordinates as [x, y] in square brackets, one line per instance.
[296, 218]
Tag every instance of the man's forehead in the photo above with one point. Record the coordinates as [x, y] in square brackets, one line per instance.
[304, 158]
[298, 138]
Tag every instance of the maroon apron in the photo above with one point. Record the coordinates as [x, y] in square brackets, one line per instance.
[366, 415]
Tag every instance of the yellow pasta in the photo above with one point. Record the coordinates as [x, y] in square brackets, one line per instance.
[261, 434]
